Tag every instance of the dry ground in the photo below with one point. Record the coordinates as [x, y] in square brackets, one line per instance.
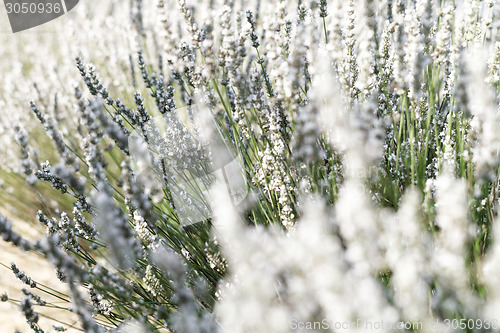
[41, 271]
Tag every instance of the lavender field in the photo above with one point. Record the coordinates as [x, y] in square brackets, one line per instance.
[252, 166]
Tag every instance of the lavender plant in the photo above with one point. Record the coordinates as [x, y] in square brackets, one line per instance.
[260, 166]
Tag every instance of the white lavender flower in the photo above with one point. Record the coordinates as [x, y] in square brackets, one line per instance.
[485, 121]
